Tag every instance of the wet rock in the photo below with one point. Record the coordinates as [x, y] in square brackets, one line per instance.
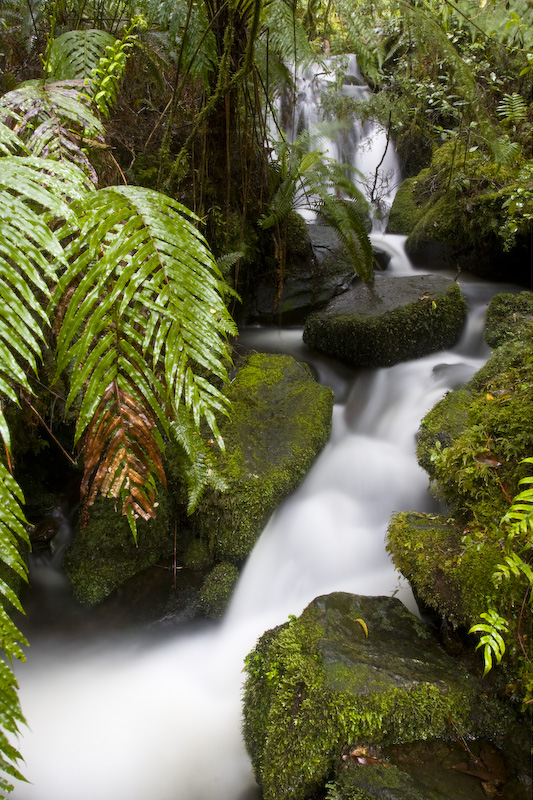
[390, 320]
[103, 554]
[317, 269]
[350, 671]
[429, 770]
[281, 419]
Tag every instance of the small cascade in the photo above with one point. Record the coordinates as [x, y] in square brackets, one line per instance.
[366, 146]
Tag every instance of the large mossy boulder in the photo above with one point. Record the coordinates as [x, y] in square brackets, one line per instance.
[389, 320]
[473, 441]
[280, 420]
[454, 217]
[449, 578]
[103, 554]
[473, 444]
[350, 671]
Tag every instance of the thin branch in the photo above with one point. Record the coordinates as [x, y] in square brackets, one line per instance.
[75, 463]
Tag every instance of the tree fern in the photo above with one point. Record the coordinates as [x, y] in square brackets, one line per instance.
[145, 322]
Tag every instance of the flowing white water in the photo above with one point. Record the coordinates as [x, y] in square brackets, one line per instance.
[126, 721]
[121, 719]
[365, 146]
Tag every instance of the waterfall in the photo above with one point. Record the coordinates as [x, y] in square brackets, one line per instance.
[365, 146]
[120, 719]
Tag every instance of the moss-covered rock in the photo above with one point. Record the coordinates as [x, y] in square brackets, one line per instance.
[390, 320]
[317, 268]
[473, 441]
[350, 670]
[453, 214]
[508, 316]
[406, 208]
[280, 421]
[448, 577]
[103, 555]
[217, 589]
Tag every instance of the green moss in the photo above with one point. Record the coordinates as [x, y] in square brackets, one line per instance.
[406, 209]
[319, 683]
[196, 555]
[473, 441]
[450, 575]
[103, 554]
[454, 214]
[217, 589]
[280, 421]
[508, 316]
[399, 334]
[378, 782]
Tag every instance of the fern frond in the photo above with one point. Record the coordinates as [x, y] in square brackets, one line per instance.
[51, 120]
[30, 255]
[198, 464]
[286, 34]
[328, 190]
[513, 108]
[12, 534]
[10, 144]
[136, 333]
[107, 74]
[74, 54]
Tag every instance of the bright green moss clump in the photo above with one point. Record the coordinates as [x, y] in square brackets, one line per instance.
[280, 421]
[473, 440]
[450, 578]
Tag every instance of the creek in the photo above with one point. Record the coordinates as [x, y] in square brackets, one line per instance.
[147, 718]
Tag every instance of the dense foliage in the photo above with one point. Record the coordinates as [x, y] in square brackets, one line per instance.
[115, 284]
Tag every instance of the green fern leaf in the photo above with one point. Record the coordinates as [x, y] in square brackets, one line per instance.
[198, 465]
[52, 120]
[30, 253]
[74, 54]
[12, 534]
[137, 336]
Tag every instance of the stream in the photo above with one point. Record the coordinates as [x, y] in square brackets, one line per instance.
[129, 717]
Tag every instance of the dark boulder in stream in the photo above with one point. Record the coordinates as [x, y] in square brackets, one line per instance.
[390, 320]
[351, 674]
